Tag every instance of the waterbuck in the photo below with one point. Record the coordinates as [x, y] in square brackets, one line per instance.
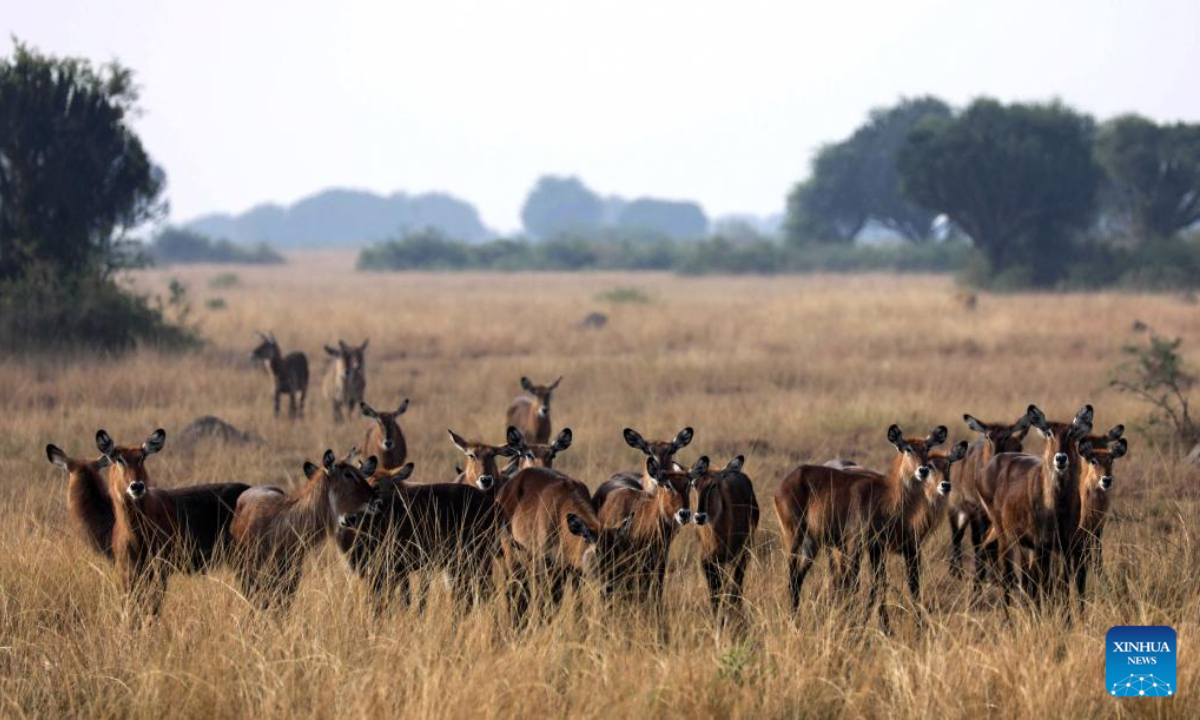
[727, 514]
[384, 438]
[157, 532]
[346, 378]
[290, 372]
[530, 413]
[661, 450]
[274, 531]
[1095, 496]
[535, 455]
[482, 470]
[88, 502]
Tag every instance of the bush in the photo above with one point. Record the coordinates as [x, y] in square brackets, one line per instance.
[224, 281]
[179, 246]
[621, 295]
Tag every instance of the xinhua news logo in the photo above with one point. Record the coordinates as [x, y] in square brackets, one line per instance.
[1140, 661]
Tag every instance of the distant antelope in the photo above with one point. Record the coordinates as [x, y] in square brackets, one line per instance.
[535, 455]
[966, 508]
[290, 372]
[384, 438]
[853, 509]
[727, 514]
[554, 538]
[447, 526]
[530, 413]
[1036, 507]
[661, 450]
[346, 379]
[157, 532]
[274, 531]
[656, 516]
[88, 502]
[482, 470]
[1095, 496]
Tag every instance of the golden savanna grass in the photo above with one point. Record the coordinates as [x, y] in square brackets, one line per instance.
[785, 370]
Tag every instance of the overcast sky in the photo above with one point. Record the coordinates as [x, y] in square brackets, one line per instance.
[722, 103]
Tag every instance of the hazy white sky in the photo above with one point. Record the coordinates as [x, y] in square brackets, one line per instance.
[721, 102]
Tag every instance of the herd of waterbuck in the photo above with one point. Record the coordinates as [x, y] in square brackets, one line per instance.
[545, 530]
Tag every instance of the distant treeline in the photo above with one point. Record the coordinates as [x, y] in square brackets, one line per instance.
[175, 246]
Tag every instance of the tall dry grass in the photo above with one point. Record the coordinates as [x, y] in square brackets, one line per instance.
[784, 370]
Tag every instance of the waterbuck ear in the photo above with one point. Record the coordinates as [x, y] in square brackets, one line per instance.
[579, 528]
[958, 453]
[364, 345]
[634, 440]
[457, 440]
[700, 469]
[652, 468]
[526, 385]
[56, 456]
[937, 437]
[896, 437]
[1116, 432]
[735, 465]
[974, 424]
[332, 351]
[682, 439]
[1119, 448]
[404, 473]
[310, 469]
[328, 459]
[368, 467]
[403, 408]
[563, 441]
[1021, 427]
[1085, 449]
[554, 384]
[508, 451]
[104, 443]
[368, 411]
[1084, 416]
[514, 437]
[1035, 417]
[155, 442]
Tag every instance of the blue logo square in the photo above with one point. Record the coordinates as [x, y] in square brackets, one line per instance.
[1140, 661]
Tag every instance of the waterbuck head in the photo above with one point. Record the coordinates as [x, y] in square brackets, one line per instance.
[706, 511]
[74, 467]
[127, 475]
[351, 498]
[349, 359]
[1000, 437]
[661, 450]
[267, 349]
[1097, 471]
[540, 393]
[537, 455]
[942, 463]
[913, 463]
[385, 435]
[383, 478]
[1061, 438]
[673, 489]
[481, 466]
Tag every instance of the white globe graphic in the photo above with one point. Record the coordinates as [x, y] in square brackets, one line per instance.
[1141, 686]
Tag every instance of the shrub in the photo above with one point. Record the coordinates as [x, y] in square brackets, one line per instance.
[181, 246]
[621, 295]
[224, 281]
[1155, 374]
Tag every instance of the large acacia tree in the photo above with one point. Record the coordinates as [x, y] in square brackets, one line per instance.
[74, 178]
[561, 204]
[1153, 174]
[1019, 179]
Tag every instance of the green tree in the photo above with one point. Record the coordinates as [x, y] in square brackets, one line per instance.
[74, 178]
[826, 207]
[1153, 174]
[1020, 180]
[561, 204]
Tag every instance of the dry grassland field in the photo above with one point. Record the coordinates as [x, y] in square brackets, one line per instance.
[785, 370]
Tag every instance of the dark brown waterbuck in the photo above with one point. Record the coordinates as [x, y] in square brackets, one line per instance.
[345, 380]
[537, 454]
[273, 531]
[727, 514]
[450, 527]
[289, 371]
[1035, 508]
[158, 532]
[1095, 497]
[661, 450]
[966, 508]
[656, 517]
[385, 439]
[530, 413]
[854, 509]
[481, 469]
[88, 502]
[554, 537]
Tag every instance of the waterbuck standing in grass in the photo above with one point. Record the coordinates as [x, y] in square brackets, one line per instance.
[88, 502]
[290, 372]
[727, 514]
[661, 450]
[346, 379]
[384, 438]
[530, 413]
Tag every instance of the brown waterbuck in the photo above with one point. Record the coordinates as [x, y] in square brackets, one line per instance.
[656, 516]
[88, 502]
[443, 526]
[727, 514]
[1095, 498]
[661, 450]
[157, 532]
[289, 371]
[530, 413]
[481, 469]
[852, 510]
[385, 439]
[1035, 507]
[554, 536]
[537, 454]
[966, 508]
[346, 378]
[274, 531]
